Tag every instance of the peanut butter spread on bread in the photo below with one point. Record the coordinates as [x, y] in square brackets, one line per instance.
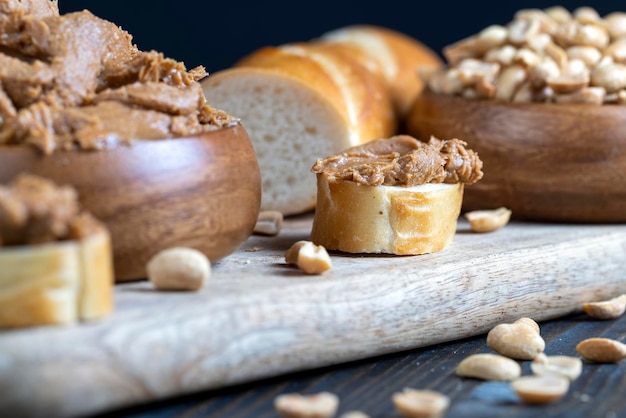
[35, 210]
[404, 161]
[76, 81]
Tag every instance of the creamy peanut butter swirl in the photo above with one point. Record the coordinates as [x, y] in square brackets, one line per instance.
[404, 161]
[76, 81]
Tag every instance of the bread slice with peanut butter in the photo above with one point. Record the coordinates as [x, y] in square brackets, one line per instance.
[393, 196]
[55, 259]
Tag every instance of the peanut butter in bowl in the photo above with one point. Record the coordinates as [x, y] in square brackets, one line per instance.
[130, 130]
[76, 81]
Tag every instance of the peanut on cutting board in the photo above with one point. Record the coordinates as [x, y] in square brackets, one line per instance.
[608, 309]
[310, 258]
[520, 340]
[296, 405]
[413, 403]
[179, 268]
[488, 366]
[602, 350]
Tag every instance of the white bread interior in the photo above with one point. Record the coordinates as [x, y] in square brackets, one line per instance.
[356, 218]
[289, 123]
[299, 103]
[56, 283]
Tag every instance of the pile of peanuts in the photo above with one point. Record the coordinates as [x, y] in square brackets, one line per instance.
[511, 343]
[548, 56]
[551, 374]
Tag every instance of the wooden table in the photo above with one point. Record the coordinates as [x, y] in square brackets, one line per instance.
[259, 318]
[368, 385]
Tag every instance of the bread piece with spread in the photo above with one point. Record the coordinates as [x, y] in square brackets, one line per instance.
[55, 259]
[394, 195]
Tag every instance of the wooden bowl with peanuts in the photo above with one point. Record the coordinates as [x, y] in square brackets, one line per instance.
[543, 102]
[546, 162]
[202, 192]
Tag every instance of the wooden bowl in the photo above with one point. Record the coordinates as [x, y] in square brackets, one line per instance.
[545, 162]
[202, 192]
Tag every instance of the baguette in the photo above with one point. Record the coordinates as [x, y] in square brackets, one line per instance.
[304, 100]
[355, 218]
[397, 58]
[296, 102]
[392, 196]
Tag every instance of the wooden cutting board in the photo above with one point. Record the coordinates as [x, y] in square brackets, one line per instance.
[259, 317]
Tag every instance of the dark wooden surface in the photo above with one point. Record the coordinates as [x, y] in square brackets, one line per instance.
[368, 385]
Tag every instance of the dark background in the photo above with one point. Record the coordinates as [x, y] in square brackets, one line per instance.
[217, 33]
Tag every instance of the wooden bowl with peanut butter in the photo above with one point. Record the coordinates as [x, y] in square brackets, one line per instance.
[130, 130]
[543, 102]
[202, 192]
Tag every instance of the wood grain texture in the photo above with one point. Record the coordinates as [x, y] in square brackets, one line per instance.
[368, 385]
[201, 192]
[547, 162]
[259, 317]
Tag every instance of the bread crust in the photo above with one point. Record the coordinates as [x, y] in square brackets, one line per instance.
[356, 218]
[56, 283]
[330, 69]
[399, 57]
[285, 142]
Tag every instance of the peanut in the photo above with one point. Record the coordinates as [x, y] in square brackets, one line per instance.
[295, 405]
[488, 366]
[488, 220]
[608, 309]
[617, 51]
[522, 29]
[529, 322]
[602, 350]
[610, 76]
[310, 258]
[590, 95]
[587, 54]
[586, 15]
[616, 24]
[412, 403]
[508, 82]
[564, 366]
[502, 55]
[540, 389]
[518, 340]
[269, 222]
[354, 414]
[179, 268]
